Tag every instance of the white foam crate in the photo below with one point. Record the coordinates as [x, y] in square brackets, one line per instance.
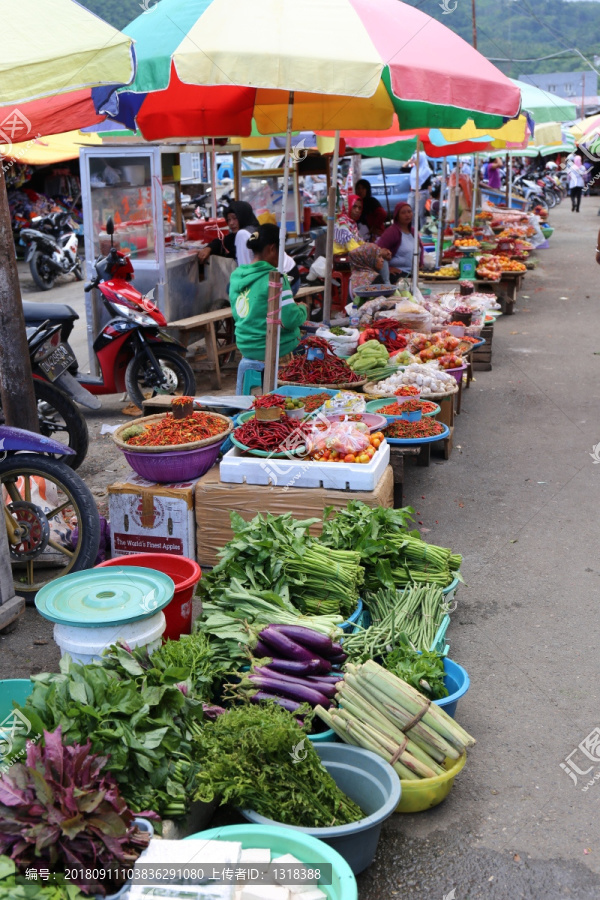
[236, 468]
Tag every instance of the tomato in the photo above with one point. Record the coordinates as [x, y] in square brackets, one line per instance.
[350, 458]
[362, 458]
[379, 435]
[370, 451]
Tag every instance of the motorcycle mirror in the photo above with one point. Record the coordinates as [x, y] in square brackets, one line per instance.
[110, 228]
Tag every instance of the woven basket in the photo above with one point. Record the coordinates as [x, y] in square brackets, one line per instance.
[170, 448]
[355, 386]
[368, 392]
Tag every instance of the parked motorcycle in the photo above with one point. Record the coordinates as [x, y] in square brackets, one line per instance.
[43, 499]
[52, 248]
[133, 352]
[56, 390]
[530, 190]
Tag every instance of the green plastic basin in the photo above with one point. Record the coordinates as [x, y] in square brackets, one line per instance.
[309, 850]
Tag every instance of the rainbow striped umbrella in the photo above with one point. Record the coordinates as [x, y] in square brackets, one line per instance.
[211, 67]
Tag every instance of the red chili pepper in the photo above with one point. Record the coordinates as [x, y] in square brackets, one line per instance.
[287, 434]
[268, 401]
[196, 427]
[414, 430]
[328, 370]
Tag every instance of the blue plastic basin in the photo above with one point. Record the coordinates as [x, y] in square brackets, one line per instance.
[457, 683]
[352, 620]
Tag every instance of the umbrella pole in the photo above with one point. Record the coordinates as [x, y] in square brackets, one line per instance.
[387, 199]
[442, 215]
[330, 229]
[415, 272]
[510, 180]
[475, 189]
[213, 179]
[507, 183]
[457, 194]
[16, 381]
[274, 301]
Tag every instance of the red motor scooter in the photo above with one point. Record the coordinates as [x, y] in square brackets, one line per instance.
[133, 352]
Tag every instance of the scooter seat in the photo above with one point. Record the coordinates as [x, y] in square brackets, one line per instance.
[36, 313]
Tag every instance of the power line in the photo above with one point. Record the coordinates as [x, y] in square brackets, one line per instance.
[534, 58]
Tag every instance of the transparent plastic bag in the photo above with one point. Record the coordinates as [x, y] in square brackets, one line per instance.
[344, 437]
[345, 402]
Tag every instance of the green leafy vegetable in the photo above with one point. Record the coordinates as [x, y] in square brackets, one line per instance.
[17, 887]
[257, 757]
[424, 671]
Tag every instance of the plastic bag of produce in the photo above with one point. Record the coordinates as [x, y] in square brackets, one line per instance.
[346, 402]
[412, 315]
[344, 437]
[343, 344]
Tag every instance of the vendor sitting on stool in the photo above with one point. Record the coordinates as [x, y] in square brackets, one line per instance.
[366, 265]
[399, 240]
[249, 294]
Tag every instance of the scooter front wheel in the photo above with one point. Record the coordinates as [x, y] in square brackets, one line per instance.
[142, 382]
[41, 272]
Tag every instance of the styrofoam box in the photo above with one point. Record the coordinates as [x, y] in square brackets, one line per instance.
[238, 468]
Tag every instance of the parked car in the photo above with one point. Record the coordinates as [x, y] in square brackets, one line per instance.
[397, 181]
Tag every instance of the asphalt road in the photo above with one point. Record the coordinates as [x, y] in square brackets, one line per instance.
[519, 498]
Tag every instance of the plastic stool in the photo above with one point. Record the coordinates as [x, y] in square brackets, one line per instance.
[249, 375]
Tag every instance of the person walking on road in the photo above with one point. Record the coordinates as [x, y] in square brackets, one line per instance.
[577, 173]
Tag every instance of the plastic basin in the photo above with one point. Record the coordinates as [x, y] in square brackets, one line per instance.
[457, 683]
[428, 792]
[450, 591]
[352, 621]
[167, 468]
[17, 689]
[323, 737]
[371, 783]
[307, 849]
[185, 574]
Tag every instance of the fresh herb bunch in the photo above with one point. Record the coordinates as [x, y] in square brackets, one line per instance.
[424, 671]
[16, 887]
[191, 660]
[139, 718]
[247, 761]
[277, 554]
[63, 809]
[391, 555]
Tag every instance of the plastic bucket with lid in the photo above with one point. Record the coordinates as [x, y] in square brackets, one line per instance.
[280, 842]
[368, 780]
[184, 572]
[86, 645]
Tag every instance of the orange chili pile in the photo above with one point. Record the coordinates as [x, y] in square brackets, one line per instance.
[414, 430]
[315, 401]
[197, 427]
[408, 390]
[181, 401]
[394, 409]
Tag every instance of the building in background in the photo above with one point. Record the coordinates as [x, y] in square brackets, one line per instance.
[578, 87]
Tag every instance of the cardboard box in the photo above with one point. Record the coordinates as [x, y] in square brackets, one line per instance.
[215, 499]
[152, 518]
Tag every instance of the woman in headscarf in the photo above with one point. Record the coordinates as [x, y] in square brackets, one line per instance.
[399, 240]
[366, 264]
[346, 235]
[577, 173]
[241, 222]
[372, 222]
[423, 175]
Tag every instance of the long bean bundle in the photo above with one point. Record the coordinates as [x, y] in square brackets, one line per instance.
[416, 612]
[377, 711]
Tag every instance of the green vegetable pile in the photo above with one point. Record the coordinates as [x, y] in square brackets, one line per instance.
[423, 671]
[132, 710]
[247, 760]
[417, 612]
[277, 554]
[392, 555]
[16, 887]
[369, 358]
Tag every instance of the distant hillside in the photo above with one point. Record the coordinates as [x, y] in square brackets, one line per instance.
[506, 28]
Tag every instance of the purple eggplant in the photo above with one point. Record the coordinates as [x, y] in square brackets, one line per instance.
[314, 640]
[300, 692]
[328, 689]
[293, 667]
[261, 650]
[331, 678]
[285, 647]
[336, 649]
[290, 705]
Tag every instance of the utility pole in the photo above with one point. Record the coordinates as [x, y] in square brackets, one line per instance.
[16, 381]
[473, 2]
[583, 95]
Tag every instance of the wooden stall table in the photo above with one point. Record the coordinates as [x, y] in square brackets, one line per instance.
[508, 288]
[397, 455]
[194, 328]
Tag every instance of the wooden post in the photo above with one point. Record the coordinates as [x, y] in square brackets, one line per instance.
[11, 607]
[271, 351]
[474, 10]
[16, 381]
[442, 215]
[416, 221]
[330, 230]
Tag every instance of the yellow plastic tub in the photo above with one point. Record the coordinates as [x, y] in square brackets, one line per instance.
[428, 792]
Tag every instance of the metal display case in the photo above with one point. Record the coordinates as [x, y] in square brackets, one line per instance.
[139, 187]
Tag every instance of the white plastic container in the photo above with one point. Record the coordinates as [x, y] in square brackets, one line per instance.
[85, 645]
[135, 175]
[237, 468]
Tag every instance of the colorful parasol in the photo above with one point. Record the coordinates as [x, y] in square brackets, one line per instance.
[209, 67]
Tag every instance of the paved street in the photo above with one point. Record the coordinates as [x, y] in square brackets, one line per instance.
[519, 498]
